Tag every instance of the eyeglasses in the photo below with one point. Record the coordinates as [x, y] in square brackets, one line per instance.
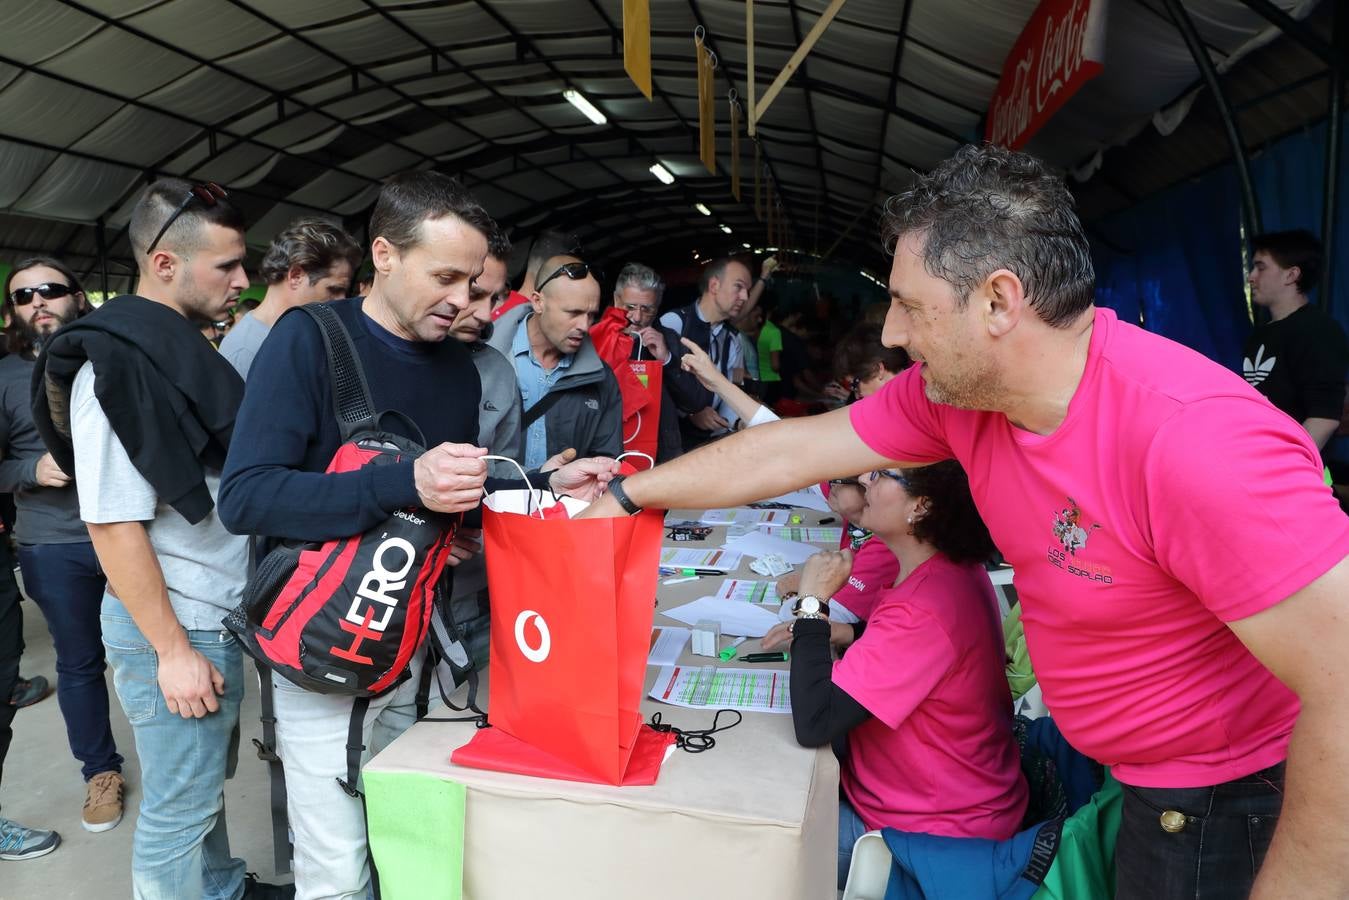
[896, 476]
[574, 271]
[49, 291]
[209, 194]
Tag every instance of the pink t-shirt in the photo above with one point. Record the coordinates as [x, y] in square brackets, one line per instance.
[1172, 499]
[874, 570]
[938, 755]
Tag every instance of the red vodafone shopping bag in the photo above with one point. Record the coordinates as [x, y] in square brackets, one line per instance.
[641, 432]
[572, 608]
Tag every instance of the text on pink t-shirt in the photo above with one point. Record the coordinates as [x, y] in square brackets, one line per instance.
[874, 570]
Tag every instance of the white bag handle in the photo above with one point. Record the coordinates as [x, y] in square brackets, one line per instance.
[538, 504]
[636, 453]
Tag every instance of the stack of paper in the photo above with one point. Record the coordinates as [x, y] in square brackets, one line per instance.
[736, 617]
[757, 544]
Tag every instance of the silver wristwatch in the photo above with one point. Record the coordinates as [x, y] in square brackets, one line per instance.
[810, 607]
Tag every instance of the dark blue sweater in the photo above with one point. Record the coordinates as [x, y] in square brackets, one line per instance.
[274, 483]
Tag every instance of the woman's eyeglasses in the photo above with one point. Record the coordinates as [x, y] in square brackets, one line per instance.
[886, 473]
[574, 271]
[209, 194]
[50, 291]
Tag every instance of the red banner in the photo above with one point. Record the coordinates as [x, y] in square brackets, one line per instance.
[1061, 48]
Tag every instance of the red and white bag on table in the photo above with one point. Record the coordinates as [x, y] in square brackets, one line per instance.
[572, 609]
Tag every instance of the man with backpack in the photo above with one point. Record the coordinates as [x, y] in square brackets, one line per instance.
[140, 409]
[428, 247]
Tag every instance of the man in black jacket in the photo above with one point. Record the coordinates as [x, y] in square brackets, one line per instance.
[570, 397]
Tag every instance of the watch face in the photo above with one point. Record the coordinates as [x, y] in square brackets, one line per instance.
[809, 605]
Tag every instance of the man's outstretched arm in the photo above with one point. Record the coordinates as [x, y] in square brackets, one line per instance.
[757, 463]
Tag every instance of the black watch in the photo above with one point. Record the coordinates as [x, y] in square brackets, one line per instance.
[616, 489]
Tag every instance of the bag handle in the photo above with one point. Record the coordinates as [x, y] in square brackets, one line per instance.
[351, 394]
[538, 504]
[644, 456]
[636, 431]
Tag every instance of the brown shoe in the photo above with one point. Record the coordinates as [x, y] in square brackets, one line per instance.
[103, 802]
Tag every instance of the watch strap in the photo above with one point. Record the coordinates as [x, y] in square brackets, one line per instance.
[616, 489]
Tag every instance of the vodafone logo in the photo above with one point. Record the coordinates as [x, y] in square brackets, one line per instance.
[533, 654]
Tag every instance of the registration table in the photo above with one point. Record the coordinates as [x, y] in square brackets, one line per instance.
[755, 817]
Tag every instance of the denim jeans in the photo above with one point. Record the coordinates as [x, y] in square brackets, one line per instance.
[181, 849]
[11, 646]
[850, 828]
[1217, 854]
[67, 584]
[331, 850]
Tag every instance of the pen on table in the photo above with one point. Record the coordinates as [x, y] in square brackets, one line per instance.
[694, 572]
[680, 580]
[729, 653]
[778, 656]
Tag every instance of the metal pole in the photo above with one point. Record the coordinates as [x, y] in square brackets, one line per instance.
[1249, 204]
[100, 234]
[1340, 33]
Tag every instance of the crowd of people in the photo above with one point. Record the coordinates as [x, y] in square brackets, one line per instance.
[1178, 555]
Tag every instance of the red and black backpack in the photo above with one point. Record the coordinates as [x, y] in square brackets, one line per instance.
[345, 616]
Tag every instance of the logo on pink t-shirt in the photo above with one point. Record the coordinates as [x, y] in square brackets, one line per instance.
[1072, 532]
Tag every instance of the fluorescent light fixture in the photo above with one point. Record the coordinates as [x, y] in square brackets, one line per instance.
[702, 209]
[578, 100]
[746, 246]
[695, 254]
[771, 249]
[726, 228]
[662, 174]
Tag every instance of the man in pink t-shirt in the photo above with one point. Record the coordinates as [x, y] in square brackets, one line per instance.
[1181, 566]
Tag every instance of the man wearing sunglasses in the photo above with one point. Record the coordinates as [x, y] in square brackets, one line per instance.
[569, 396]
[1182, 566]
[60, 571]
[134, 402]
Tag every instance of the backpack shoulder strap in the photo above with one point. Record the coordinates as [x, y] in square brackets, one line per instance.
[537, 411]
[351, 394]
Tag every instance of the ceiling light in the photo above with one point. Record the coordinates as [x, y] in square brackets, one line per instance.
[746, 246]
[726, 228]
[695, 254]
[662, 173]
[702, 209]
[578, 100]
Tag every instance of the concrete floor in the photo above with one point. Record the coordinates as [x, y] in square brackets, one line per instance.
[43, 789]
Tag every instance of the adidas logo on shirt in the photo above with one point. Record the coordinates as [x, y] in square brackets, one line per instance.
[1258, 369]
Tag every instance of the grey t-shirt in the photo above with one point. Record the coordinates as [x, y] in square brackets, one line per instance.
[205, 567]
[242, 343]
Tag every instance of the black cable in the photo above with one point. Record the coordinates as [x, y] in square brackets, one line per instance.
[696, 740]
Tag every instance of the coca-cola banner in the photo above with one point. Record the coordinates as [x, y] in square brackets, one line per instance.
[1061, 48]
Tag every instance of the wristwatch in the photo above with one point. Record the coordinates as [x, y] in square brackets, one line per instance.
[810, 607]
[616, 489]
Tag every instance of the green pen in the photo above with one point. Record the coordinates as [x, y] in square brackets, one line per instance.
[729, 653]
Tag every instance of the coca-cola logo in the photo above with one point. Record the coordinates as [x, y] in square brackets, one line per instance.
[1045, 68]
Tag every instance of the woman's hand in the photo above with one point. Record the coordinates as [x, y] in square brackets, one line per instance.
[779, 637]
[789, 584]
[825, 573]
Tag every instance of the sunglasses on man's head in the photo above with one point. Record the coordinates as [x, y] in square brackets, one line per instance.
[208, 194]
[50, 291]
[575, 271]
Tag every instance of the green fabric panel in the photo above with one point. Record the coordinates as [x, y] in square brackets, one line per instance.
[416, 827]
[1020, 675]
[1084, 868]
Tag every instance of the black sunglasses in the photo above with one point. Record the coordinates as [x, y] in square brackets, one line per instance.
[209, 194]
[575, 271]
[49, 291]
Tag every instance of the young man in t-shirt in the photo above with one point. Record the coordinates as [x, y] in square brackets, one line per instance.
[1181, 566]
[1298, 358]
[139, 408]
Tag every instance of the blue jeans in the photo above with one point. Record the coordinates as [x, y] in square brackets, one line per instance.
[181, 849]
[1218, 852]
[850, 828]
[67, 584]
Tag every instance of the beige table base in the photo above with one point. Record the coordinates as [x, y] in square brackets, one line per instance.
[755, 818]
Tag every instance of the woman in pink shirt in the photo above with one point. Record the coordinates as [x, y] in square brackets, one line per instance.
[920, 695]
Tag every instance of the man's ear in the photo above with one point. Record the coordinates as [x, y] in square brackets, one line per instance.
[1292, 275]
[296, 277]
[383, 255]
[1003, 299]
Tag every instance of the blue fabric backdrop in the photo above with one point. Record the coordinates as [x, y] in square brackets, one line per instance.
[1174, 260]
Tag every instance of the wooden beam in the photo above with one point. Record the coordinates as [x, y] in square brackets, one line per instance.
[749, 61]
[792, 64]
